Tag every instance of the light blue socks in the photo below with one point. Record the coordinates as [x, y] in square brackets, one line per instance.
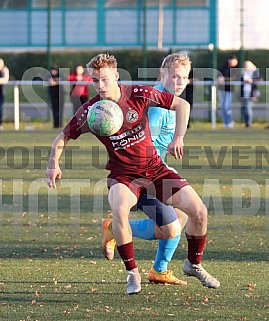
[144, 229]
[165, 252]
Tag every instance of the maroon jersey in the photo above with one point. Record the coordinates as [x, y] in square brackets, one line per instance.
[131, 148]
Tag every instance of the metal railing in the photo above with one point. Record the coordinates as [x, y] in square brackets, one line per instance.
[213, 93]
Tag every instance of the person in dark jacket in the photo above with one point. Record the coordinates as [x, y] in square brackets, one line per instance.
[56, 94]
[225, 90]
[4, 78]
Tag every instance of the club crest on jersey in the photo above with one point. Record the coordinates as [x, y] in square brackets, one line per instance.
[132, 116]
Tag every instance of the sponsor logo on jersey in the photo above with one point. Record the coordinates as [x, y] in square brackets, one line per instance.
[128, 138]
[132, 116]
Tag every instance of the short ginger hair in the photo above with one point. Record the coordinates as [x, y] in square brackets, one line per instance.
[101, 61]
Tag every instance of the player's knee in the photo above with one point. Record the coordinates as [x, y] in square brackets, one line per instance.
[201, 215]
[171, 230]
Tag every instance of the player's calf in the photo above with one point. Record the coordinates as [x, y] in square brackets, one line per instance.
[168, 231]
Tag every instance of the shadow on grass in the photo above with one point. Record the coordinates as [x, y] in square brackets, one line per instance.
[30, 294]
[93, 253]
[60, 282]
[12, 299]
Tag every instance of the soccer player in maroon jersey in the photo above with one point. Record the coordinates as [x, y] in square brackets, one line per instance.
[134, 165]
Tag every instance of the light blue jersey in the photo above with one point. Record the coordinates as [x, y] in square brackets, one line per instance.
[162, 126]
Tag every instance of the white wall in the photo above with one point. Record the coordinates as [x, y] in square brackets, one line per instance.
[255, 24]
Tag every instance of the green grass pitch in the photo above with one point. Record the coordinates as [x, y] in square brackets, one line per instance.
[51, 266]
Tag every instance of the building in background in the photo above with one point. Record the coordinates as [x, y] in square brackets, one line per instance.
[162, 24]
[92, 24]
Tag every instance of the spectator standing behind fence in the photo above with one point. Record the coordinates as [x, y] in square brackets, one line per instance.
[225, 89]
[79, 93]
[56, 94]
[249, 91]
[4, 78]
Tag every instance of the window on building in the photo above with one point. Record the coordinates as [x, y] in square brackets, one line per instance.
[120, 3]
[44, 3]
[156, 3]
[192, 3]
[81, 3]
[132, 3]
[5, 4]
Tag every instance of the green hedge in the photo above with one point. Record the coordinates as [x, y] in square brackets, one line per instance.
[128, 59]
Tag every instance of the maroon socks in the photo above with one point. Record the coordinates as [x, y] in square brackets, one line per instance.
[126, 252]
[196, 245]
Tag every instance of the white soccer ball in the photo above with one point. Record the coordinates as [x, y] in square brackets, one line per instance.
[105, 118]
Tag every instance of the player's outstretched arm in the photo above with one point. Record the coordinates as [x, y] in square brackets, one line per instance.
[53, 169]
[182, 108]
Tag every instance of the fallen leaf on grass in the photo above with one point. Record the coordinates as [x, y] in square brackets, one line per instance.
[251, 286]
[37, 294]
[93, 262]
[249, 295]
[93, 289]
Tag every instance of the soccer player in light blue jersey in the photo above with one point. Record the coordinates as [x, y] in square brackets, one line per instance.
[175, 70]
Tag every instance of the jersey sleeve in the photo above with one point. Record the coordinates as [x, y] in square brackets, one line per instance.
[163, 99]
[153, 96]
[78, 123]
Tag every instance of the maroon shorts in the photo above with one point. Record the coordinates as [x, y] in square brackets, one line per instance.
[161, 183]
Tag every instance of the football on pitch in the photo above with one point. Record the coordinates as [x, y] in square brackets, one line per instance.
[105, 118]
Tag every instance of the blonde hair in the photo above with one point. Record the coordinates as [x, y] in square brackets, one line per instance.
[176, 59]
[101, 61]
[249, 65]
